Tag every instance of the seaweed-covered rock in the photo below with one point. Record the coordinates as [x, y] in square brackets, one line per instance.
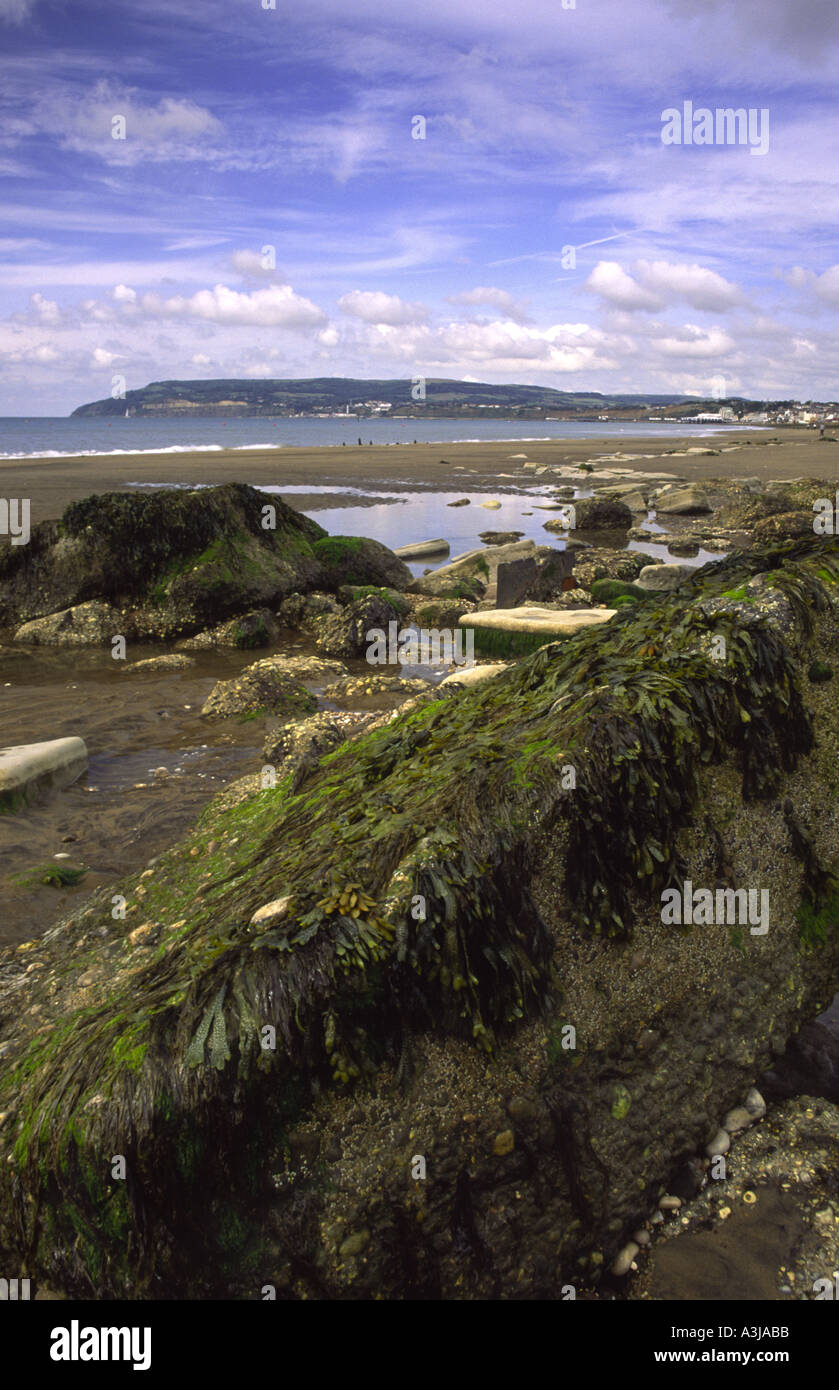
[446, 977]
[181, 561]
[597, 514]
[590, 565]
[784, 526]
[263, 688]
[357, 560]
[291, 747]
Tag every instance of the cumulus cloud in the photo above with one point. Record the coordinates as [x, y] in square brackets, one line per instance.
[825, 286]
[494, 298]
[123, 294]
[275, 307]
[255, 265]
[611, 282]
[373, 306]
[655, 284]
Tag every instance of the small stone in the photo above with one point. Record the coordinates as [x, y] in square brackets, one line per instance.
[623, 1262]
[755, 1104]
[354, 1244]
[738, 1119]
[272, 912]
[641, 1237]
[668, 1203]
[504, 1143]
[720, 1144]
[749, 1197]
[824, 1217]
[141, 933]
[724, 1213]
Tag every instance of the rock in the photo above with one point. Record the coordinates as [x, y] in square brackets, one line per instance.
[344, 634]
[263, 688]
[461, 502]
[491, 506]
[597, 514]
[255, 629]
[357, 560]
[315, 669]
[592, 564]
[755, 1104]
[293, 746]
[500, 537]
[737, 1119]
[546, 622]
[683, 547]
[178, 561]
[420, 549]
[28, 771]
[783, 526]
[354, 1244]
[468, 576]
[300, 610]
[622, 1263]
[662, 578]
[474, 675]
[394, 688]
[669, 1203]
[90, 624]
[682, 500]
[720, 1144]
[271, 913]
[175, 661]
[503, 1143]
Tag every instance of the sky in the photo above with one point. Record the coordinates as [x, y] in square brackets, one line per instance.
[458, 188]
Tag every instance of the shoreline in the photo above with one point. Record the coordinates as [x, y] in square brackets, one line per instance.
[52, 483]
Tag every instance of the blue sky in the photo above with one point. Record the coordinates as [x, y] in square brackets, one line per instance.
[695, 268]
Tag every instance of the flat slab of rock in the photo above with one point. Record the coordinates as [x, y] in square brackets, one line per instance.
[474, 675]
[550, 621]
[175, 661]
[91, 624]
[29, 770]
[420, 549]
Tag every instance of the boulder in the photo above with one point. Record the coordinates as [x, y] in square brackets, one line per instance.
[597, 514]
[263, 688]
[664, 577]
[175, 661]
[293, 746]
[688, 500]
[344, 634]
[30, 770]
[468, 575]
[90, 624]
[783, 526]
[357, 560]
[178, 561]
[474, 675]
[500, 537]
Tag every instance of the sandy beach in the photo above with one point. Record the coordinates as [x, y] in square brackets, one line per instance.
[52, 483]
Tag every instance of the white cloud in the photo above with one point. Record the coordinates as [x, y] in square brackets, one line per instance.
[123, 294]
[695, 285]
[611, 282]
[173, 129]
[825, 286]
[16, 11]
[495, 298]
[373, 306]
[275, 307]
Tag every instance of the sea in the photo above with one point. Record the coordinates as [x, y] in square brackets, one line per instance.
[43, 436]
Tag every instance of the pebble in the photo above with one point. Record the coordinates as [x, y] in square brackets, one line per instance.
[755, 1104]
[271, 912]
[641, 1237]
[504, 1143]
[738, 1119]
[720, 1144]
[668, 1203]
[623, 1262]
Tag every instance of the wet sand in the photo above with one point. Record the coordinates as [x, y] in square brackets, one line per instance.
[52, 483]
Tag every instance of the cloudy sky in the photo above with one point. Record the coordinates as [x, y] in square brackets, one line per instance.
[270, 210]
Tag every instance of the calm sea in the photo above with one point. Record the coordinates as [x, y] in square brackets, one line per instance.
[43, 436]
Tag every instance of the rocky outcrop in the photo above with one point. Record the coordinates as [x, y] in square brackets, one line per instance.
[412, 1024]
[31, 770]
[356, 560]
[177, 561]
[90, 624]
